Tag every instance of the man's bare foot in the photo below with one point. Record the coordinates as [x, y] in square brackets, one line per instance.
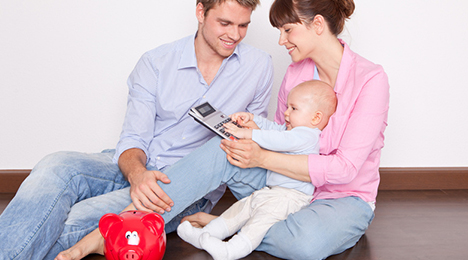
[93, 243]
[199, 219]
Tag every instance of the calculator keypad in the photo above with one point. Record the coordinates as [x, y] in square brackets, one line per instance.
[220, 127]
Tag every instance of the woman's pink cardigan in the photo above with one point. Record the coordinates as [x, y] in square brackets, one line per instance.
[351, 143]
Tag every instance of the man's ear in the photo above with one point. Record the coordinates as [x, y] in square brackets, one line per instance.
[200, 12]
[317, 118]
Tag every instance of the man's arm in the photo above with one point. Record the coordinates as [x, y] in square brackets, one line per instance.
[132, 149]
[144, 189]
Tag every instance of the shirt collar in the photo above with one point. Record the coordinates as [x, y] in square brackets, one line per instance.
[347, 62]
[188, 59]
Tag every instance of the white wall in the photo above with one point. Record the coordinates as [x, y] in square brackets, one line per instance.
[64, 65]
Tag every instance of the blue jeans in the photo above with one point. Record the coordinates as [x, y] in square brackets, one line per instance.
[67, 193]
[62, 200]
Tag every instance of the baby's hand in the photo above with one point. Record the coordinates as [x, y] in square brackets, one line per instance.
[242, 118]
[241, 133]
[251, 125]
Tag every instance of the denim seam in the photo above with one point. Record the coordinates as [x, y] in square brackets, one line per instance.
[40, 225]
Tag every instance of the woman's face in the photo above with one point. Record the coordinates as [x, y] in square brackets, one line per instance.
[298, 39]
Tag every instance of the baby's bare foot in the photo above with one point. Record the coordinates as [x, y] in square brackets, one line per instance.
[199, 219]
[68, 254]
[93, 243]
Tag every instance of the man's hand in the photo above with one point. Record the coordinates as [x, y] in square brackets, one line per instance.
[144, 189]
[146, 194]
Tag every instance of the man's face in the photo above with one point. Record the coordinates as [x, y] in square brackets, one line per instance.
[222, 27]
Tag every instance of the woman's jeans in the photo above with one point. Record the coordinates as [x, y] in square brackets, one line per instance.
[67, 193]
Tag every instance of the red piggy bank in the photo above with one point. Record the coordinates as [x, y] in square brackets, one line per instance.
[134, 235]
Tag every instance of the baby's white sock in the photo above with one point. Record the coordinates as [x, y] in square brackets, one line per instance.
[190, 234]
[237, 247]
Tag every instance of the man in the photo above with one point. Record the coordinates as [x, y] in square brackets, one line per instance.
[66, 193]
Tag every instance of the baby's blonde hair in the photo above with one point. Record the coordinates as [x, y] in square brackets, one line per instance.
[322, 95]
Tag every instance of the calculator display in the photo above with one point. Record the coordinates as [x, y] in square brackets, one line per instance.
[205, 109]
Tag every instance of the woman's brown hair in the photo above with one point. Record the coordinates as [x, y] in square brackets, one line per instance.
[335, 12]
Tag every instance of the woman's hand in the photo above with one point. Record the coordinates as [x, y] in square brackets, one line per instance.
[248, 154]
[244, 153]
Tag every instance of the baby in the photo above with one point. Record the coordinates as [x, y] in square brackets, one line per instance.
[310, 105]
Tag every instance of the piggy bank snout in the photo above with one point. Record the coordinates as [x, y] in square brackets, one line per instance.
[130, 254]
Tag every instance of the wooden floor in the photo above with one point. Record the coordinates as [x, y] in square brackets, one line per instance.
[408, 225]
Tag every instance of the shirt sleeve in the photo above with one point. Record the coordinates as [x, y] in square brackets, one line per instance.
[259, 105]
[141, 109]
[265, 124]
[362, 138]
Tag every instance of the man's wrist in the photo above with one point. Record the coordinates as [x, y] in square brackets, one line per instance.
[134, 174]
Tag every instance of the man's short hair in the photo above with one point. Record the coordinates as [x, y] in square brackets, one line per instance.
[209, 4]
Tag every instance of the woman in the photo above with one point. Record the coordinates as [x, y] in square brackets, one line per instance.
[346, 173]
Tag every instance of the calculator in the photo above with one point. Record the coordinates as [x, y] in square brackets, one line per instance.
[213, 119]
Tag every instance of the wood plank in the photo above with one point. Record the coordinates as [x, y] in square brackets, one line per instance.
[424, 178]
[10, 180]
[392, 178]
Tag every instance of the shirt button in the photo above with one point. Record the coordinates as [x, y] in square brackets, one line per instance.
[204, 96]
[158, 158]
[183, 138]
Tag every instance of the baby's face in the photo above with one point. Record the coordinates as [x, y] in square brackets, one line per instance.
[300, 110]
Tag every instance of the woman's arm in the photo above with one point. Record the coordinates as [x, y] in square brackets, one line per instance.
[248, 154]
